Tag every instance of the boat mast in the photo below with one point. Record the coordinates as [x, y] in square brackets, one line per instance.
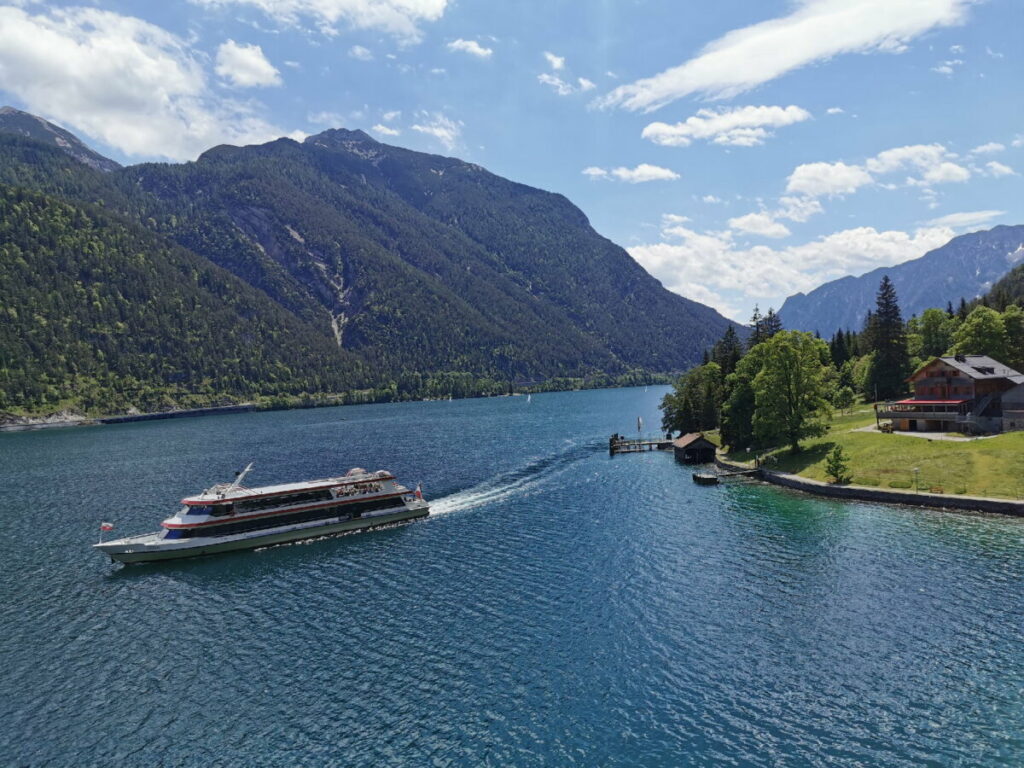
[239, 477]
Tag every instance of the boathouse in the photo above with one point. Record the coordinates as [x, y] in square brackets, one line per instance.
[694, 448]
[963, 393]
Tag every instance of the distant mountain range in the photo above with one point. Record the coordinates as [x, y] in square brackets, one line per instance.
[966, 267]
[406, 265]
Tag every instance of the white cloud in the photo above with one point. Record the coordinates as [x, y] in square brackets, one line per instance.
[293, 64]
[798, 208]
[472, 47]
[995, 168]
[956, 49]
[556, 62]
[710, 265]
[673, 218]
[558, 85]
[711, 199]
[965, 219]
[245, 66]
[988, 149]
[121, 80]
[759, 224]
[947, 67]
[360, 53]
[385, 130]
[330, 119]
[394, 114]
[738, 126]
[932, 162]
[834, 111]
[993, 54]
[820, 179]
[642, 173]
[400, 18]
[442, 128]
[586, 85]
[815, 31]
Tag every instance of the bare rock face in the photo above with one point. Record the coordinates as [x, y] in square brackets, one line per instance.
[22, 123]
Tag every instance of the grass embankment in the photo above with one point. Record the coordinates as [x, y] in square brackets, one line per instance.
[988, 467]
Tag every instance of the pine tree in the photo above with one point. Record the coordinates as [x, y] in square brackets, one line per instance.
[727, 351]
[891, 363]
[771, 324]
[756, 332]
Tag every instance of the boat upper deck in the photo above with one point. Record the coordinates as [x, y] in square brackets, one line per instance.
[225, 492]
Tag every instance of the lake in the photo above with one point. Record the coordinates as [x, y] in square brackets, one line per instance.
[559, 607]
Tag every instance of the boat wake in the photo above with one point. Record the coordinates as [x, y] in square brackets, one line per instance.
[516, 482]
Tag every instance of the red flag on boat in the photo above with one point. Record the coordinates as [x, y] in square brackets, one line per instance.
[106, 526]
[419, 491]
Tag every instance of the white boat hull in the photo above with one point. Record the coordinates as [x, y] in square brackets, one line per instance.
[152, 548]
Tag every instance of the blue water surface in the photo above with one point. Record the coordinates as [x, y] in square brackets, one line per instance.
[560, 606]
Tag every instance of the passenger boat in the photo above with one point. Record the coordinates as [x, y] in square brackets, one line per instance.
[229, 516]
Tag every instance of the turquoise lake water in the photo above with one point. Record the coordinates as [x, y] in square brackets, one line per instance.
[559, 607]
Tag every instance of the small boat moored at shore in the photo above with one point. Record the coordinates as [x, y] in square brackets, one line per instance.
[229, 516]
[705, 478]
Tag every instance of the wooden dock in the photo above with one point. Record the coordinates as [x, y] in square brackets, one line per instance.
[619, 444]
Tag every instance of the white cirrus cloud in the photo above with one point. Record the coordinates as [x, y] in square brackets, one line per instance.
[642, 173]
[816, 30]
[385, 130]
[739, 126]
[121, 80]
[556, 62]
[834, 111]
[245, 66]
[585, 85]
[947, 67]
[965, 219]
[994, 168]
[394, 114]
[472, 47]
[988, 149]
[441, 127]
[557, 84]
[761, 223]
[827, 179]
[710, 265]
[399, 18]
[360, 53]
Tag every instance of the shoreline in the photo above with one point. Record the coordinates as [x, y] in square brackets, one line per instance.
[867, 493]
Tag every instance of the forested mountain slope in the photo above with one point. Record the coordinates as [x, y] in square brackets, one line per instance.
[101, 313]
[965, 267]
[402, 264]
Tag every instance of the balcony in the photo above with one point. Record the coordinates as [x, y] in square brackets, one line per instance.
[939, 410]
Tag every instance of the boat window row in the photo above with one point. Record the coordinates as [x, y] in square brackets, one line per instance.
[283, 500]
[231, 527]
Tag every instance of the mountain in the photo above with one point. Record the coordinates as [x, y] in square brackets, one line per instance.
[1009, 289]
[411, 266]
[104, 314]
[965, 267]
[22, 123]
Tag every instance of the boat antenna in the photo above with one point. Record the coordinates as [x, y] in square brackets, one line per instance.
[240, 476]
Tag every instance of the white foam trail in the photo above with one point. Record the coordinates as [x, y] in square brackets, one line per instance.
[516, 483]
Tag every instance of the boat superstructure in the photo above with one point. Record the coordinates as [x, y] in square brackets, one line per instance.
[230, 516]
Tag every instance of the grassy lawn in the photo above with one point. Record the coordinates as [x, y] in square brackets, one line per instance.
[989, 467]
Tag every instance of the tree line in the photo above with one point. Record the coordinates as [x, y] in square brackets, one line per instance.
[781, 386]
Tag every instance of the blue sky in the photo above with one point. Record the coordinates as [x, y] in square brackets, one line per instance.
[741, 151]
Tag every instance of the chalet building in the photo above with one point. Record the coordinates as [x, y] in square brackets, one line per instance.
[963, 393]
[693, 448]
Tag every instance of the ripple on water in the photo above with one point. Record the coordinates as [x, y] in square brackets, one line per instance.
[560, 607]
